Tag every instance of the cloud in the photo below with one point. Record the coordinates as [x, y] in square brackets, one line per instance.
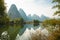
[37, 7]
[43, 2]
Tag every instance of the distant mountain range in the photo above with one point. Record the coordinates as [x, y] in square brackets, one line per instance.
[13, 13]
[43, 17]
[22, 13]
[36, 17]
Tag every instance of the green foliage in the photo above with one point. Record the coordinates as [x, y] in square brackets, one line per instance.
[13, 31]
[36, 22]
[4, 20]
[3, 16]
[52, 22]
[56, 1]
[57, 13]
[2, 8]
[54, 35]
[57, 6]
[21, 21]
[17, 21]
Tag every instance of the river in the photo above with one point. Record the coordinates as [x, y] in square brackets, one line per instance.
[29, 31]
[25, 32]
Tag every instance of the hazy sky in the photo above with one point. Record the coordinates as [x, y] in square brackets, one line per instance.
[37, 7]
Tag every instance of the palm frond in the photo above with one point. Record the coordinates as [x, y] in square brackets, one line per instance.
[57, 12]
[57, 6]
[56, 1]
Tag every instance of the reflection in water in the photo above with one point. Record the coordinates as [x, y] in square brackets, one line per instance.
[26, 32]
[30, 32]
[12, 30]
[29, 26]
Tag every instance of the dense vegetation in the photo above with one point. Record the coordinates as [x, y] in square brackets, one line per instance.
[55, 35]
[3, 16]
[36, 22]
[5, 22]
[53, 25]
[57, 6]
[51, 22]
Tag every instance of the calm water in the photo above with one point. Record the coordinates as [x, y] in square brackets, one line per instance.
[29, 31]
[29, 26]
[13, 30]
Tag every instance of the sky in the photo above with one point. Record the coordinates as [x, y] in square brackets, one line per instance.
[37, 7]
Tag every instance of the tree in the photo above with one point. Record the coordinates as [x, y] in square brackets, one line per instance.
[3, 16]
[52, 24]
[57, 6]
[36, 22]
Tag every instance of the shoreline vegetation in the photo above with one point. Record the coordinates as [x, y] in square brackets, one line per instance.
[52, 25]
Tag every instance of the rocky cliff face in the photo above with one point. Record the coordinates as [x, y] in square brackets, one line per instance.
[23, 14]
[13, 13]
